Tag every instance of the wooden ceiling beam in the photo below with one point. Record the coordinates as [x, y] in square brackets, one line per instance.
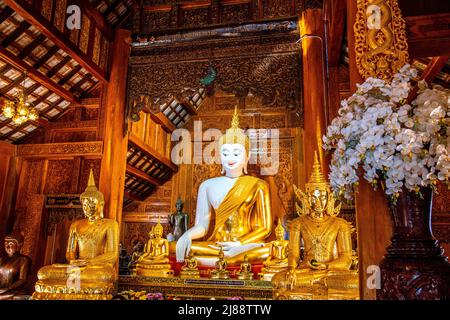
[429, 74]
[52, 33]
[143, 176]
[99, 20]
[37, 76]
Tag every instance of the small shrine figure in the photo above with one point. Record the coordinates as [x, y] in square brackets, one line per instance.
[155, 261]
[124, 261]
[178, 221]
[190, 268]
[278, 257]
[138, 251]
[14, 268]
[221, 271]
[245, 271]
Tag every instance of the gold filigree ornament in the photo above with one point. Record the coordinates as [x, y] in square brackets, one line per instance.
[380, 39]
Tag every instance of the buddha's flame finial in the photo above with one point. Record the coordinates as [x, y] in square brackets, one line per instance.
[91, 190]
[279, 227]
[316, 180]
[235, 119]
[91, 182]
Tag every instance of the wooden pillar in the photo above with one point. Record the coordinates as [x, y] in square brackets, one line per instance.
[313, 62]
[112, 174]
[372, 213]
[8, 176]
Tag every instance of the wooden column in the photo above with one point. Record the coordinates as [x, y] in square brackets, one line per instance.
[313, 60]
[8, 177]
[372, 213]
[112, 174]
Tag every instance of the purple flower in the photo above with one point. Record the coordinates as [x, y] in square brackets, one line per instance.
[155, 296]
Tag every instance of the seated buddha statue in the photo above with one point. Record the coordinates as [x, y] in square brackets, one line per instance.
[221, 271]
[14, 268]
[92, 252]
[190, 267]
[233, 211]
[327, 256]
[245, 270]
[278, 256]
[155, 260]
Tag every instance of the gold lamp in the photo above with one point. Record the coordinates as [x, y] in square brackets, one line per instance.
[19, 110]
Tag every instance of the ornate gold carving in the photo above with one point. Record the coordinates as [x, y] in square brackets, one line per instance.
[97, 44]
[380, 39]
[94, 148]
[199, 288]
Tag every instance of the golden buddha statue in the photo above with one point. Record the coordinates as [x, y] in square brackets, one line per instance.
[14, 268]
[233, 211]
[190, 267]
[278, 257]
[155, 261]
[245, 270]
[221, 271]
[92, 253]
[327, 255]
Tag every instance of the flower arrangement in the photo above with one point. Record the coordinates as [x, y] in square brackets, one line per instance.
[140, 295]
[396, 144]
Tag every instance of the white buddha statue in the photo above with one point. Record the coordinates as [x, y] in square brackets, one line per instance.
[233, 211]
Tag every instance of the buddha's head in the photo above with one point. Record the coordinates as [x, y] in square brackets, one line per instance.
[158, 230]
[92, 200]
[234, 148]
[13, 244]
[279, 231]
[317, 191]
[179, 205]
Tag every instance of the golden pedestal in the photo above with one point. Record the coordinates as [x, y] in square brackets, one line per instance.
[190, 274]
[60, 291]
[245, 276]
[201, 288]
[219, 275]
[154, 271]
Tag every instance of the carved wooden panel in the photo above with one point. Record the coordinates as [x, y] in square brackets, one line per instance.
[209, 13]
[267, 68]
[59, 174]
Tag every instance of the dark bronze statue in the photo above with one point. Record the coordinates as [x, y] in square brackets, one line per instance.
[179, 221]
[14, 268]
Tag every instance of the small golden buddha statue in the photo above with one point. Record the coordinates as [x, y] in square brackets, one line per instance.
[221, 271]
[190, 267]
[245, 271]
[92, 252]
[233, 211]
[327, 256]
[14, 268]
[155, 261]
[278, 257]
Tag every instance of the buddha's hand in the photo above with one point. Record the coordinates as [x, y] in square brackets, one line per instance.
[183, 246]
[291, 277]
[227, 245]
[315, 265]
[79, 262]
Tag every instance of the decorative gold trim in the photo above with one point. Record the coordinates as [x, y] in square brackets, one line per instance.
[94, 148]
[380, 44]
